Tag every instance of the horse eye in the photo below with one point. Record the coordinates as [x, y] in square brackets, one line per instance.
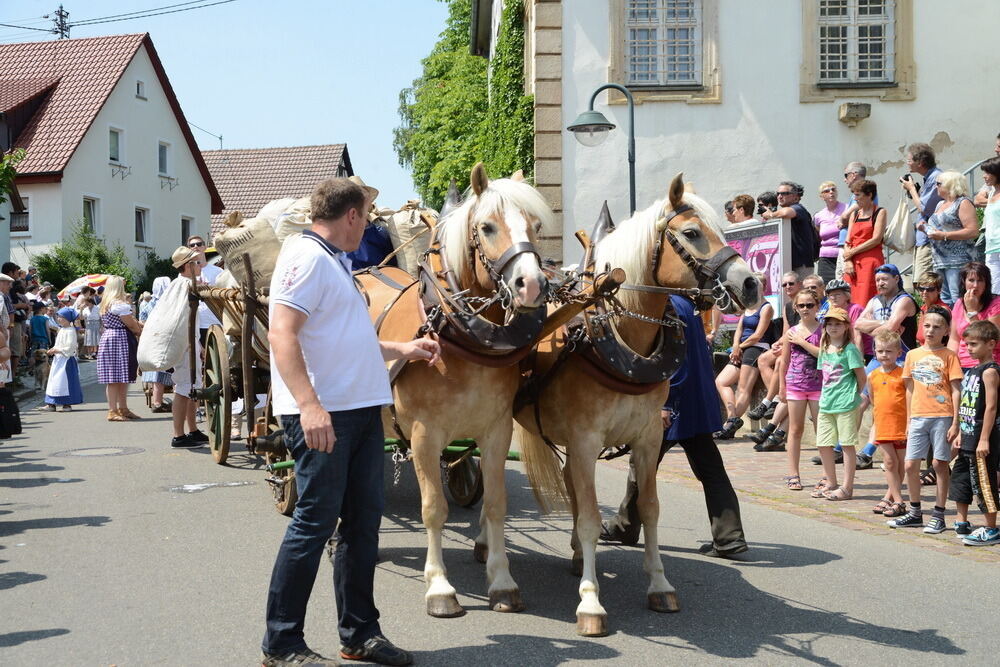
[488, 228]
[690, 233]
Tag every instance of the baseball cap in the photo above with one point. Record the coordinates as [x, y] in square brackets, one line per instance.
[835, 313]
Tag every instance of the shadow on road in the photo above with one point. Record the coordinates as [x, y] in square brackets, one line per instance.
[12, 579]
[529, 650]
[37, 481]
[8, 528]
[18, 638]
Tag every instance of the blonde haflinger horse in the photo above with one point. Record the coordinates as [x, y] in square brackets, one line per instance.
[487, 247]
[675, 243]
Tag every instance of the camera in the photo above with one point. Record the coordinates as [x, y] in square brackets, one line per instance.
[909, 177]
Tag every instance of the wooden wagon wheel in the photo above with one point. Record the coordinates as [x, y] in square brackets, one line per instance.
[218, 393]
[465, 482]
[285, 495]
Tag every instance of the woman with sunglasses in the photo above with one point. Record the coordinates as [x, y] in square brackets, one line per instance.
[930, 293]
[827, 221]
[977, 303]
[863, 250]
[802, 382]
[952, 230]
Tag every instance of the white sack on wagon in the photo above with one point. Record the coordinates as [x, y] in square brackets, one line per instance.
[229, 324]
[272, 210]
[164, 338]
[253, 237]
[293, 220]
[408, 231]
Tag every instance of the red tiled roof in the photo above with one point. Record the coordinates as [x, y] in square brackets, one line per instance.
[15, 92]
[249, 178]
[87, 71]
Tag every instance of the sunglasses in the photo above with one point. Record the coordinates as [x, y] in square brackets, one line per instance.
[938, 183]
[805, 306]
[782, 194]
[788, 284]
[927, 288]
[197, 244]
[846, 175]
[829, 190]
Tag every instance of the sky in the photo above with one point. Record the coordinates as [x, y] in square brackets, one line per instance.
[264, 73]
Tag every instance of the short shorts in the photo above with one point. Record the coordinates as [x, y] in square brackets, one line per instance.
[797, 395]
[751, 354]
[896, 444]
[928, 434]
[839, 427]
[973, 477]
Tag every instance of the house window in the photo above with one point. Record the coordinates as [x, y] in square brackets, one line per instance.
[856, 44]
[663, 43]
[140, 89]
[20, 223]
[186, 225]
[90, 214]
[141, 225]
[115, 145]
[163, 158]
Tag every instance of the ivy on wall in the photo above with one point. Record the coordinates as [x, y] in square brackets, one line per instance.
[457, 114]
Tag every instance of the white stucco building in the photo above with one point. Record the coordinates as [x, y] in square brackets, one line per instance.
[106, 145]
[740, 95]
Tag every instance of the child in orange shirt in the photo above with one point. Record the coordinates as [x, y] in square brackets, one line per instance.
[888, 396]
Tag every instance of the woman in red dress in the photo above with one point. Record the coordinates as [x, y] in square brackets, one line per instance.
[863, 250]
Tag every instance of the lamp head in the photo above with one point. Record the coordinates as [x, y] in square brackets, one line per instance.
[591, 128]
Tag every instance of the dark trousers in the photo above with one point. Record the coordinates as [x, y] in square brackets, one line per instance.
[345, 484]
[720, 497]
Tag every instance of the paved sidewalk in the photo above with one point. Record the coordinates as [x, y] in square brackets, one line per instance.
[759, 477]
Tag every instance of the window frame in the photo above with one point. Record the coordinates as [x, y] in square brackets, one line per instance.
[164, 144]
[694, 23]
[96, 221]
[145, 242]
[140, 89]
[709, 91]
[189, 232]
[902, 88]
[120, 160]
[852, 23]
[26, 200]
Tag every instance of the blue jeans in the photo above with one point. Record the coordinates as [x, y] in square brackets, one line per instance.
[345, 484]
[951, 285]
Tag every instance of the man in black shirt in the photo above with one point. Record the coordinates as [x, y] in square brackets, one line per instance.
[805, 238]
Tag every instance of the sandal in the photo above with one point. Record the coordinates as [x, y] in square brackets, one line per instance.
[896, 509]
[838, 494]
[129, 415]
[729, 429]
[881, 506]
[793, 482]
[114, 416]
[821, 485]
[928, 477]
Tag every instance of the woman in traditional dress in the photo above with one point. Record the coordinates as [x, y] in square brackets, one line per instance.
[63, 388]
[116, 354]
[159, 379]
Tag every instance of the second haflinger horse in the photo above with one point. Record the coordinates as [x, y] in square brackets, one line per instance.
[482, 290]
[602, 385]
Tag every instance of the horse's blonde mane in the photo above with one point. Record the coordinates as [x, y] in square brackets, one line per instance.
[630, 246]
[454, 228]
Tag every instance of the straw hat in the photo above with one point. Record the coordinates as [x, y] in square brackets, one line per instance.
[369, 190]
[182, 256]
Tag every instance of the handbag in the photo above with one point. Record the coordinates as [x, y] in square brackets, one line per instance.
[900, 234]
[10, 414]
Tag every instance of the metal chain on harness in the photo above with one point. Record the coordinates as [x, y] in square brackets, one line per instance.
[398, 458]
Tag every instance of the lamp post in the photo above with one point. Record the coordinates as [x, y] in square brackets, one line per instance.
[591, 129]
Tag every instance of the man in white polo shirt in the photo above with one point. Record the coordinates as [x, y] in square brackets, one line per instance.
[329, 383]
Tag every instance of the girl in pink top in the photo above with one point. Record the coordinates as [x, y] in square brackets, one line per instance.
[977, 303]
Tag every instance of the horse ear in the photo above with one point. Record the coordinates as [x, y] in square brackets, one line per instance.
[518, 176]
[677, 190]
[689, 188]
[478, 178]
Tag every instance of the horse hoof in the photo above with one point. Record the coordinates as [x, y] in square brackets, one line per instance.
[576, 566]
[480, 552]
[444, 606]
[506, 601]
[592, 625]
[663, 602]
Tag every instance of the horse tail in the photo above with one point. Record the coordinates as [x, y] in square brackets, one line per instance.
[544, 470]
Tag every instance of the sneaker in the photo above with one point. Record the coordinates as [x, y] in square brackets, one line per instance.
[377, 649]
[982, 537]
[838, 458]
[935, 525]
[770, 410]
[305, 657]
[761, 434]
[197, 436]
[66, 408]
[759, 411]
[864, 462]
[775, 442]
[185, 442]
[729, 429]
[962, 528]
[909, 520]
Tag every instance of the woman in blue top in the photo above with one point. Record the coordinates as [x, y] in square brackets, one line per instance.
[690, 415]
[952, 230]
[753, 333]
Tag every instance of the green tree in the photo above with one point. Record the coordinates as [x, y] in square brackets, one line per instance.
[154, 267]
[8, 171]
[442, 113]
[82, 254]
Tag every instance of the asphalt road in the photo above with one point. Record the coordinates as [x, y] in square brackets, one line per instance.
[117, 560]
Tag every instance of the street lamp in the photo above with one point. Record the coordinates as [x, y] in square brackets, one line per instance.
[591, 129]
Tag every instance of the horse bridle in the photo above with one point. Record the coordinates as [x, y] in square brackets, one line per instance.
[496, 267]
[706, 271]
